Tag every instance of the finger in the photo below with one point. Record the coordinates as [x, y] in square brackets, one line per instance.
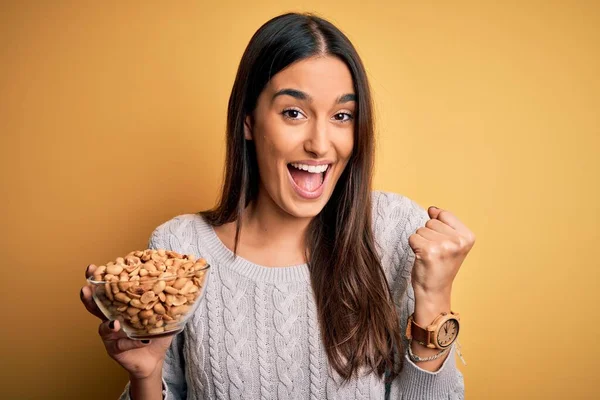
[86, 298]
[431, 235]
[89, 271]
[417, 243]
[452, 220]
[433, 212]
[111, 330]
[125, 344]
[438, 226]
[115, 340]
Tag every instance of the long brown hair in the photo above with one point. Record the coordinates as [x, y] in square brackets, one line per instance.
[358, 320]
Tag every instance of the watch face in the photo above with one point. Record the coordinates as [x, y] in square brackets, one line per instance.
[447, 333]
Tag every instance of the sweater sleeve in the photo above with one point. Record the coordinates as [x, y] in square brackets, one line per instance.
[173, 374]
[396, 217]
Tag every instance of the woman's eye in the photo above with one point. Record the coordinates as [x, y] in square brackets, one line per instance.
[291, 113]
[343, 117]
[294, 114]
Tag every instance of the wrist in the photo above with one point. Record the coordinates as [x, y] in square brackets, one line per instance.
[152, 376]
[429, 305]
[148, 387]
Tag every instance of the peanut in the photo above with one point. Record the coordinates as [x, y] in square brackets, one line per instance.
[108, 290]
[148, 297]
[190, 297]
[137, 304]
[180, 283]
[179, 310]
[132, 260]
[122, 297]
[170, 299]
[150, 266]
[150, 305]
[159, 309]
[171, 290]
[186, 288]
[179, 300]
[137, 325]
[114, 269]
[150, 291]
[159, 287]
[133, 292]
[132, 311]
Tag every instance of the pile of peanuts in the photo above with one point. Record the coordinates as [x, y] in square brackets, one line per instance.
[150, 290]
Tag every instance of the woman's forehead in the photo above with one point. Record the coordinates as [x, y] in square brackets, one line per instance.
[319, 78]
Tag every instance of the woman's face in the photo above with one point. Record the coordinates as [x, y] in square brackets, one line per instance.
[303, 131]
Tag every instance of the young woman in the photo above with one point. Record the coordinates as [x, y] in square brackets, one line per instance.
[314, 276]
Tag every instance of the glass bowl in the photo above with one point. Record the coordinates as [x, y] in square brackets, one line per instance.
[150, 306]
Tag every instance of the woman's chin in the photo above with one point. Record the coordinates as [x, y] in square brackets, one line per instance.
[302, 208]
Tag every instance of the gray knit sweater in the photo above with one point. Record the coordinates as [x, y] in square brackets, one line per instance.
[256, 333]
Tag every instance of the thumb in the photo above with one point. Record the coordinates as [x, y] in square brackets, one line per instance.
[125, 344]
[433, 212]
[115, 340]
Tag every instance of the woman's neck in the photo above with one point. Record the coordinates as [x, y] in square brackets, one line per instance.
[269, 235]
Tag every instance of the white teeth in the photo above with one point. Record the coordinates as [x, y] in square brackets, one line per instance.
[313, 169]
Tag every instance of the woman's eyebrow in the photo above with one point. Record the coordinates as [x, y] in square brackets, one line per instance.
[300, 95]
[297, 94]
[346, 98]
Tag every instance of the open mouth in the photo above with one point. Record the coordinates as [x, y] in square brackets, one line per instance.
[308, 179]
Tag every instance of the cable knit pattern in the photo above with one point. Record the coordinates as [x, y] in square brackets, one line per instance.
[264, 367]
[315, 350]
[237, 332]
[215, 325]
[257, 336]
[288, 328]
[363, 385]
[196, 351]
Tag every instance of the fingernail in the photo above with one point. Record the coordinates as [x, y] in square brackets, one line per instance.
[145, 341]
[111, 324]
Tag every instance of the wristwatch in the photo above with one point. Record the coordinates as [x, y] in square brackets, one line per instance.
[440, 334]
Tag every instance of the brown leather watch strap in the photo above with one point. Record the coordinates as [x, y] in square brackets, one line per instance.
[426, 336]
[419, 334]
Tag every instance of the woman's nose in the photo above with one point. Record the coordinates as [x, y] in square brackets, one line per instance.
[317, 141]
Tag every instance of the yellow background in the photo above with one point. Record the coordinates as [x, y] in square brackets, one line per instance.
[112, 119]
